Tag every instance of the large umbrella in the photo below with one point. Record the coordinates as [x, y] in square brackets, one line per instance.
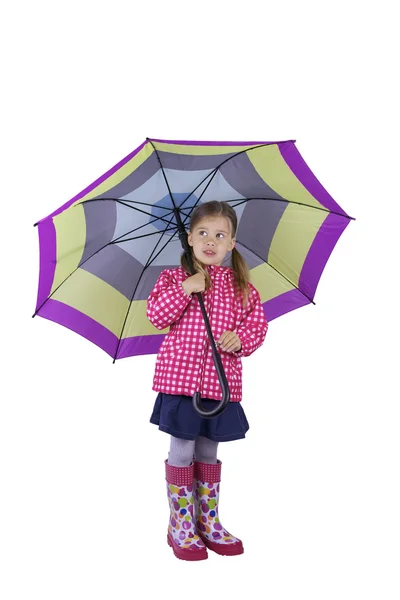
[102, 252]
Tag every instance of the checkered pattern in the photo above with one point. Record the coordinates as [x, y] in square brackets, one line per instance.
[207, 472]
[184, 362]
[179, 475]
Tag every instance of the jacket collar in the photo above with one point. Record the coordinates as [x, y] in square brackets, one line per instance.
[215, 267]
[212, 269]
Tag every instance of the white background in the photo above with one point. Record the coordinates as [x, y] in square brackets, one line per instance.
[313, 491]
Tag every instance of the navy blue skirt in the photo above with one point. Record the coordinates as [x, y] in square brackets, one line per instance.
[176, 415]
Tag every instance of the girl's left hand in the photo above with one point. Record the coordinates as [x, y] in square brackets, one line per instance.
[229, 342]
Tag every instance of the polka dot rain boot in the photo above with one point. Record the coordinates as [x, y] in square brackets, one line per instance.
[182, 534]
[207, 478]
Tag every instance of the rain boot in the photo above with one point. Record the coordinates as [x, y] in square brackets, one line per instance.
[207, 478]
[182, 534]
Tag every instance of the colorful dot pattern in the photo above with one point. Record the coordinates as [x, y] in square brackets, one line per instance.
[207, 517]
[182, 525]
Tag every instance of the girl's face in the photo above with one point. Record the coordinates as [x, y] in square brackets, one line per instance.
[211, 234]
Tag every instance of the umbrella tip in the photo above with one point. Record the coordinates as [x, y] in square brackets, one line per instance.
[35, 224]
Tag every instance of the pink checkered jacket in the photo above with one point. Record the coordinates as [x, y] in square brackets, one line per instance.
[184, 362]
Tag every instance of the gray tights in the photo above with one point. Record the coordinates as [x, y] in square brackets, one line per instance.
[182, 452]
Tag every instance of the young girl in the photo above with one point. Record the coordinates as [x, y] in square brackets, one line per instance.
[185, 365]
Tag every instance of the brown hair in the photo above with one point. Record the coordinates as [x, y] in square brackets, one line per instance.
[215, 208]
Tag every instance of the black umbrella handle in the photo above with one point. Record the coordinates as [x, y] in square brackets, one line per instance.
[226, 395]
[207, 414]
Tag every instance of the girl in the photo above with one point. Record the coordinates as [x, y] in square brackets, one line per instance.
[185, 365]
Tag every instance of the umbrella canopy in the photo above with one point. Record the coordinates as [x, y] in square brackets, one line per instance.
[102, 252]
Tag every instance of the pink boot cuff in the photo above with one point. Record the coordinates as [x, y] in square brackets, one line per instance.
[179, 475]
[207, 472]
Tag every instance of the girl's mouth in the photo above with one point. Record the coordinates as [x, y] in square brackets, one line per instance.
[209, 252]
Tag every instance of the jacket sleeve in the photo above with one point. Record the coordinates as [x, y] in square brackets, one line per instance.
[253, 326]
[167, 301]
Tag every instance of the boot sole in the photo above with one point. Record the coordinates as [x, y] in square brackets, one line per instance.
[186, 554]
[224, 549]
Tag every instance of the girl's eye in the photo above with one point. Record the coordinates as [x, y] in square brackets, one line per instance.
[206, 232]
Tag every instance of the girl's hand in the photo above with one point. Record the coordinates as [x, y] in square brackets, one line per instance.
[229, 342]
[194, 283]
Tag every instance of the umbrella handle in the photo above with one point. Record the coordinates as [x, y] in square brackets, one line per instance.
[209, 414]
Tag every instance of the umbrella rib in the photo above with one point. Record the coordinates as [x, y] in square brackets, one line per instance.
[163, 172]
[242, 152]
[138, 237]
[134, 291]
[331, 212]
[125, 200]
[123, 203]
[99, 250]
[198, 199]
[275, 269]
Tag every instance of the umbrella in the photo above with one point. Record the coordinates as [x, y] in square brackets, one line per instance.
[102, 252]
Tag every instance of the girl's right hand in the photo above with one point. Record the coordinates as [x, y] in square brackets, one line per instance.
[195, 283]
